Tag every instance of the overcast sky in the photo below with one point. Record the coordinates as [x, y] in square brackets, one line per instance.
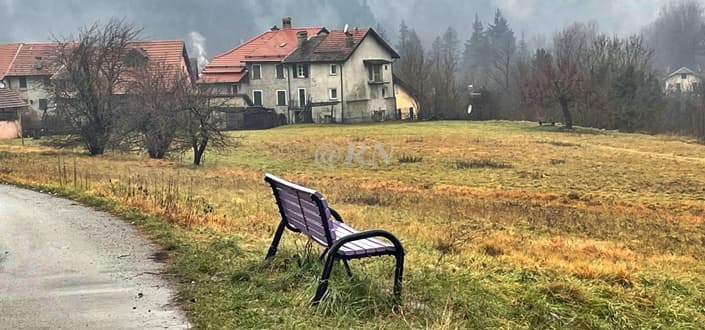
[225, 23]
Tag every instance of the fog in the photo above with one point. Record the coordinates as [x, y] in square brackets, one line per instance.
[225, 23]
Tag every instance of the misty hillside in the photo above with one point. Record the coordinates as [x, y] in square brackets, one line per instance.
[225, 23]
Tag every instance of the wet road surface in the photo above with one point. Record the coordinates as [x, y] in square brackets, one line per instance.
[66, 266]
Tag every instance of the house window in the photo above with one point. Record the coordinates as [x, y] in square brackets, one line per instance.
[333, 69]
[384, 92]
[301, 71]
[375, 73]
[257, 98]
[234, 89]
[333, 93]
[684, 76]
[281, 97]
[256, 72]
[23, 82]
[302, 97]
[280, 71]
[47, 81]
[43, 104]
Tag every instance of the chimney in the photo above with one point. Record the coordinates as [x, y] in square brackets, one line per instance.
[286, 23]
[301, 36]
[348, 40]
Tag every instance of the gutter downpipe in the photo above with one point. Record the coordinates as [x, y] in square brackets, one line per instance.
[342, 95]
[288, 103]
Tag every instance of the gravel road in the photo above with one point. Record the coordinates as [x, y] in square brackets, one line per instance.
[66, 266]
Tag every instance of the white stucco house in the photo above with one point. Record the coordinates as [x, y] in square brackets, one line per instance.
[683, 80]
[310, 74]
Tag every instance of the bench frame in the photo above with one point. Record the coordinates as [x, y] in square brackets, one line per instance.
[331, 246]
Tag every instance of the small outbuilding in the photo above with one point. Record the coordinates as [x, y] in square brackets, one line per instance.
[682, 80]
[407, 100]
[11, 108]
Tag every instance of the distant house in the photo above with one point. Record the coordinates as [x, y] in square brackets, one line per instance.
[27, 68]
[682, 80]
[408, 104]
[11, 107]
[310, 74]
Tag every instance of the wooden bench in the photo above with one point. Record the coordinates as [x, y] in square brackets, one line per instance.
[306, 211]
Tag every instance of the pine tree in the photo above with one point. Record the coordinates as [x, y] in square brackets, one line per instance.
[476, 56]
[503, 48]
[523, 49]
[412, 66]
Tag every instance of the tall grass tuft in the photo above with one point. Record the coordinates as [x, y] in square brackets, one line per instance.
[480, 163]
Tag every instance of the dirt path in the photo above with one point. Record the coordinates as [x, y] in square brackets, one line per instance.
[66, 266]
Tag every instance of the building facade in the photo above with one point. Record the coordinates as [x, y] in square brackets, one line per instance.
[310, 74]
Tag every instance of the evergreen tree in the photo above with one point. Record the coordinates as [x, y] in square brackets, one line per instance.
[412, 67]
[445, 59]
[476, 56]
[503, 48]
[523, 49]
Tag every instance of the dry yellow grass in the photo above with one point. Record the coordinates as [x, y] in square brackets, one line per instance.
[588, 204]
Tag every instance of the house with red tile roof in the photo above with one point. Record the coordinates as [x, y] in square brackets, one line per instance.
[310, 74]
[27, 68]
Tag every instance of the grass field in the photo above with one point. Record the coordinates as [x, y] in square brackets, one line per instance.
[506, 225]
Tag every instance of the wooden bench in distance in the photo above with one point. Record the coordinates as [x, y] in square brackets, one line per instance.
[306, 211]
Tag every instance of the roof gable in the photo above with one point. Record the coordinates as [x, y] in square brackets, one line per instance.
[682, 71]
[332, 47]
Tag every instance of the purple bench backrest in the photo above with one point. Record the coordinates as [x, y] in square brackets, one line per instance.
[304, 209]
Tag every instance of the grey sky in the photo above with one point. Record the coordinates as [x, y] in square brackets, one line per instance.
[225, 23]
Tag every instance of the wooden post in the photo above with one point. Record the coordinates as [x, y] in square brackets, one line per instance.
[19, 118]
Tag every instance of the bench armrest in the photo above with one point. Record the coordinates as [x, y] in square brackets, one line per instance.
[335, 215]
[368, 234]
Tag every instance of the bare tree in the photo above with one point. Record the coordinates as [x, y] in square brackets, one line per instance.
[678, 34]
[559, 77]
[91, 73]
[201, 128]
[160, 92]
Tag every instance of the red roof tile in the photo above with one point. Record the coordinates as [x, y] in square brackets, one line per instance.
[7, 55]
[33, 59]
[166, 52]
[270, 46]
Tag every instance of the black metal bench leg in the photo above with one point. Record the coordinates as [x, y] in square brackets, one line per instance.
[275, 242]
[323, 283]
[398, 275]
[347, 267]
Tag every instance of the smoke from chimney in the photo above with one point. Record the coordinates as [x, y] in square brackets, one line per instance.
[197, 45]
